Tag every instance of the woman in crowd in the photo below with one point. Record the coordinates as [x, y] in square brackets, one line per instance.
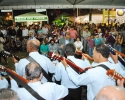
[52, 46]
[78, 44]
[44, 48]
[118, 43]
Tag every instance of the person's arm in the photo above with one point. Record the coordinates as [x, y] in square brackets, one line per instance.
[16, 64]
[61, 91]
[120, 83]
[60, 43]
[20, 66]
[81, 46]
[82, 79]
[14, 85]
[40, 48]
[121, 41]
[57, 74]
[114, 57]
[50, 66]
[49, 48]
[82, 34]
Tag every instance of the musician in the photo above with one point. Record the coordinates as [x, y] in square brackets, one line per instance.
[95, 78]
[8, 94]
[33, 48]
[111, 93]
[118, 67]
[61, 74]
[48, 91]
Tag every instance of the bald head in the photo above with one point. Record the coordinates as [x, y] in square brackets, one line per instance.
[111, 93]
[33, 45]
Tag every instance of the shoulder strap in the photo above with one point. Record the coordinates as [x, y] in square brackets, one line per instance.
[104, 66]
[74, 68]
[30, 59]
[27, 87]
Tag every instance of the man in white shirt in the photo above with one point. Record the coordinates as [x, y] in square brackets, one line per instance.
[8, 94]
[94, 78]
[25, 32]
[4, 31]
[45, 29]
[61, 74]
[33, 48]
[48, 91]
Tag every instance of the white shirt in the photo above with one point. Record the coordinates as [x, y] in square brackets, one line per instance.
[48, 91]
[45, 63]
[4, 32]
[32, 31]
[3, 83]
[1, 44]
[66, 41]
[94, 78]
[62, 75]
[86, 34]
[78, 44]
[45, 30]
[114, 66]
[25, 32]
[120, 66]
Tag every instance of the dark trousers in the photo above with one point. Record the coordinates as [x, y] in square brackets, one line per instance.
[74, 94]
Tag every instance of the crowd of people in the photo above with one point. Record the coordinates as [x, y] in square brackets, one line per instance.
[37, 67]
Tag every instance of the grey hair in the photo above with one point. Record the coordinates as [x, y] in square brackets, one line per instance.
[8, 94]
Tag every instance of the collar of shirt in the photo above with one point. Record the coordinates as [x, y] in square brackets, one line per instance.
[34, 83]
[33, 53]
[66, 41]
[70, 57]
[105, 63]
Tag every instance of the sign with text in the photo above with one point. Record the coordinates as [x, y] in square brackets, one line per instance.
[25, 19]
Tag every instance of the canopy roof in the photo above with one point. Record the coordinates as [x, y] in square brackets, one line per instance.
[37, 4]
[32, 16]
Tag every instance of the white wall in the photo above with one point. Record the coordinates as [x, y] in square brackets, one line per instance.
[96, 18]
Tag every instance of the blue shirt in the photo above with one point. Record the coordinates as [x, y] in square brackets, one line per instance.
[66, 41]
[48, 91]
[45, 63]
[94, 78]
[62, 75]
[97, 41]
[3, 83]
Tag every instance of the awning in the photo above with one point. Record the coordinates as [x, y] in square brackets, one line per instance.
[31, 17]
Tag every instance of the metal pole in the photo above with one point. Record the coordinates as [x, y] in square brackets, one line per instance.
[77, 12]
[108, 16]
[90, 15]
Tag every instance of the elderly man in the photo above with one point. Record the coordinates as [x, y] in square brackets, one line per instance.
[111, 93]
[48, 91]
[8, 94]
[33, 48]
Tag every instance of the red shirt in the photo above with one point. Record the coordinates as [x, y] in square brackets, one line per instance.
[73, 34]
